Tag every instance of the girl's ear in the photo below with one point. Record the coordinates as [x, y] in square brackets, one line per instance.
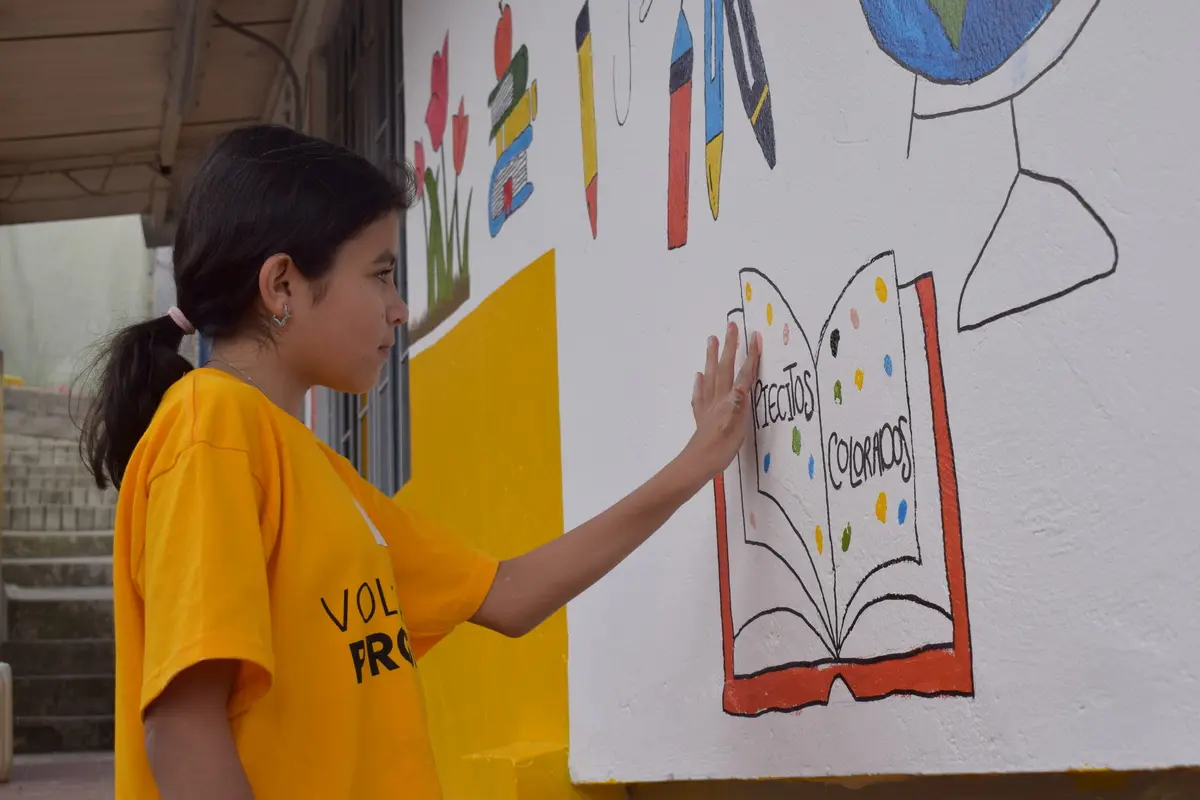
[275, 282]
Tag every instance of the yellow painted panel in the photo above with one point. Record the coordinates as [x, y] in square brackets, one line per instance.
[485, 461]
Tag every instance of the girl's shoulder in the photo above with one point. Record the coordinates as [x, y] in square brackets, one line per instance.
[207, 407]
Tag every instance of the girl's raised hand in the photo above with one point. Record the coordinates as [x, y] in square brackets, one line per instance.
[721, 405]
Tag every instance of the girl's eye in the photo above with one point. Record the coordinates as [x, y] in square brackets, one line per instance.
[385, 275]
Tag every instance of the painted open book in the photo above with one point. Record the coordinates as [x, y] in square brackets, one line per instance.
[838, 535]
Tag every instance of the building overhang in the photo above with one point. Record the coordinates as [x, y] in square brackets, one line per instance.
[106, 107]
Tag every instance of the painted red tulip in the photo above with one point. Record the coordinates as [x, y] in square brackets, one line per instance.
[439, 95]
[459, 124]
[419, 167]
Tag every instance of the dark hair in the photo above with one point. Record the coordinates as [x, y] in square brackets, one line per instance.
[260, 191]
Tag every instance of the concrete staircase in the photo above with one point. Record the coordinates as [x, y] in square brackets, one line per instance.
[56, 631]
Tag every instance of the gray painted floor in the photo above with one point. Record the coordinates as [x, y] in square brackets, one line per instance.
[83, 776]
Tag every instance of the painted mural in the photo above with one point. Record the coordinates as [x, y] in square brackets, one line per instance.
[950, 43]
[622, 117]
[960, 424]
[679, 137]
[746, 51]
[714, 100]
[849, 484]
[587, 114]
[513, 107]
[970, 55]
[447, 235]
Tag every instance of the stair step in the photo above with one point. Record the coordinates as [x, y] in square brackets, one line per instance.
[25, 477]
[58, 518]
[62, 734]
[50, 482]
[49, 457]
[60, 613]
[38, 425]
[63, 695]
[58, 571]
[60, 657]
[75, 496]
[43, 400]
[55, 544]
[28, 465]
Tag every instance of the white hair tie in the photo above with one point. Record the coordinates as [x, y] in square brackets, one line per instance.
[179, 319]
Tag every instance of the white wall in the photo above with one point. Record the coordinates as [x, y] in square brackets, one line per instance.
[1068, 626]
[62, 286]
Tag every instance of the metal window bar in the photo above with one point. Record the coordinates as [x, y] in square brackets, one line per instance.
[366, 113]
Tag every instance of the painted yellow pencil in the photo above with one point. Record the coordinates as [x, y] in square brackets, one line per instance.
[587, 110]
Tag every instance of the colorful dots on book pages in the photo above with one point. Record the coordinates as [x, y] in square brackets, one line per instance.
[820, 536]
[854, 318]
[837, 392]
[795, 440]
[749, 293]
[835, 338]
[881, 290]
[787, 334]
[812, 468]
[767, 463]
[846, 538]
[902, 512]
[770, 314]
[881, 507]
[858, 379]
[887, 365]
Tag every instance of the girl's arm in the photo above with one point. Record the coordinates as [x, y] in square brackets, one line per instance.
[188, 741]
[531, 587]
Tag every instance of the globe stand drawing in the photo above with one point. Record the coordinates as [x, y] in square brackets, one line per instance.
[969, 55]
[1047, 242]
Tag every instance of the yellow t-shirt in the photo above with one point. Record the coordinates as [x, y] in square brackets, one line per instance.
[239, 535]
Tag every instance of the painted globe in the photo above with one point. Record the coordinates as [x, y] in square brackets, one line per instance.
[954, 41]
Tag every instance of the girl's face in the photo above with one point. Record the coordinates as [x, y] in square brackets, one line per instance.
[342, 328]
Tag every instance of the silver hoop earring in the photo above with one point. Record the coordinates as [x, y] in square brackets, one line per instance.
[286, 316]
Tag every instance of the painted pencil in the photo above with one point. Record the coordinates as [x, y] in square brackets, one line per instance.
[679, 145]
[587, 112]
[714, 99]
[754, 87]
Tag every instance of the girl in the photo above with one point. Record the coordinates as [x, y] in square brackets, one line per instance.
[245, 665]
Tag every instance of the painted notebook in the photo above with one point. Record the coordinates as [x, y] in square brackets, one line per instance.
[838, 536]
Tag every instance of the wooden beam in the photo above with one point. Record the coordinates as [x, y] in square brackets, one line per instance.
[109, 205]
[188, 49]
[19, 151]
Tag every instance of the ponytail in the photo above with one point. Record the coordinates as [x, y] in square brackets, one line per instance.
[139, 364]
